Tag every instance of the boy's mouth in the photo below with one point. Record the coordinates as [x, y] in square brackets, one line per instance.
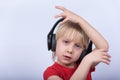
[67, 57]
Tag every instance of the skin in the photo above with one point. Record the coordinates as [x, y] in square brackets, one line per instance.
[68, 51]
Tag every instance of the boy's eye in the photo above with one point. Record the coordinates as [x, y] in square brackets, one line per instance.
[65, 41]
[77, 45]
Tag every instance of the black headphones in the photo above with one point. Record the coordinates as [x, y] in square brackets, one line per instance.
[51, 41]
[51, 37]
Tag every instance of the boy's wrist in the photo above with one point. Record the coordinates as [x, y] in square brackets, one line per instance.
[87, 61]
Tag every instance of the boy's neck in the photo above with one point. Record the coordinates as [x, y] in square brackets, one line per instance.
[73, 65]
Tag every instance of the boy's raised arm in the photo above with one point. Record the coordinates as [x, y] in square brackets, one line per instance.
[94, 35]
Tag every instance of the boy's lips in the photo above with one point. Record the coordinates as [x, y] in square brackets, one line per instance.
[67, 57]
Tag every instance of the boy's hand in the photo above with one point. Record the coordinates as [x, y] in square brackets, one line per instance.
[97, 56]
[67, 15]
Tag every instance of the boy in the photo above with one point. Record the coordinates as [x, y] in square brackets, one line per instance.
[72, 39]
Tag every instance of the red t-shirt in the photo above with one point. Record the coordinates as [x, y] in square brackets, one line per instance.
[63, 72]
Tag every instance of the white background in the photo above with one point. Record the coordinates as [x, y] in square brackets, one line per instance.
[24, 25]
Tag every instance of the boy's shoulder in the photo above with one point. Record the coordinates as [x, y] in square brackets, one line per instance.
[51, 70]
[54, 68]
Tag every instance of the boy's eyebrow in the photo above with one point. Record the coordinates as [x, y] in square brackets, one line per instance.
[78, 42]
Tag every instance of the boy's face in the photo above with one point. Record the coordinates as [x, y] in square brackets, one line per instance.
[68, 51]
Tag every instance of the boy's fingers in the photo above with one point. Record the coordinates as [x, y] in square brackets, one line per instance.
[63, 21]
[60, 15]
[106, 54]
[60, 7]
[102, 50]
[106, 58]
[105, 61]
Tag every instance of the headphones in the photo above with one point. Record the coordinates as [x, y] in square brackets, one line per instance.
[51, 42]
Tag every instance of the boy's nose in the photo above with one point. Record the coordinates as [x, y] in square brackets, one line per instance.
[70, 49]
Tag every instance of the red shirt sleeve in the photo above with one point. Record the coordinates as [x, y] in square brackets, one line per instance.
[49, 72]
[89, 77]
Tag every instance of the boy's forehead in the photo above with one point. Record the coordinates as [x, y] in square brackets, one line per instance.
[76, 40]
[70, 33]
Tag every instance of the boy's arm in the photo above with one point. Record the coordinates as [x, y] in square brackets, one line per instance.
[54, 78]
[96, 56]
[95, 36]
[82, 71]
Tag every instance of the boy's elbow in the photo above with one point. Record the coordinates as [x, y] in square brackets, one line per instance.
[106, 47]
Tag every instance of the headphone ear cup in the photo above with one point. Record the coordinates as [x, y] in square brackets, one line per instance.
[49, 41]
[53, 45]
[83, 54]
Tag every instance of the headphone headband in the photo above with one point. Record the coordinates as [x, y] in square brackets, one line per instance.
[54, 26]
